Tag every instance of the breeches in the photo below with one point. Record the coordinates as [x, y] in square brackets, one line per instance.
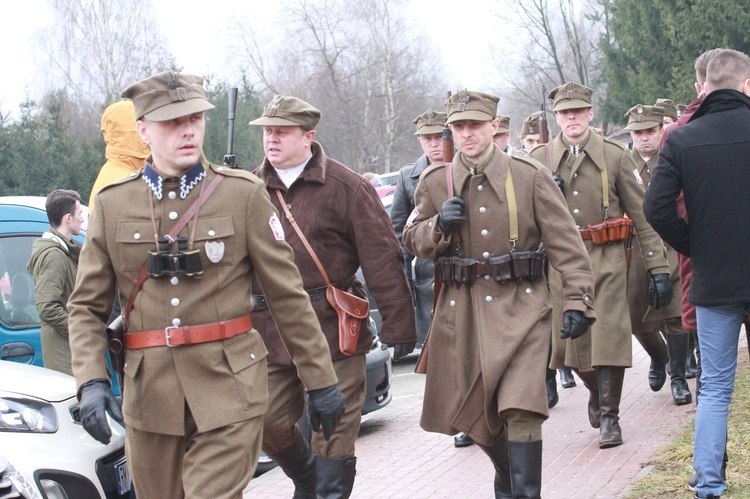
[523, 426]
[286, 402]
[217, 463]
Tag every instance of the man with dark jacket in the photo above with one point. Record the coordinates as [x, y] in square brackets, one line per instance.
[54, 265]
[707, 160]
[341, 217]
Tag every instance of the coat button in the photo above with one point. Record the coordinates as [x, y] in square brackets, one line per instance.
[575, 175]
[578, 227]
[488, 298]
[174, 280]
[482, 209]
[172, 195]
[485, 232]
[176, 322]
[480, 187]
[528, 291]
[453, 303]
[173, 215]
[137, 236]
[212, 233]
[650, 253]
[586, 298]
[175, 302]
[486, 254]
[575, 193]
[429, 224]
[252, 356]
[576, 211]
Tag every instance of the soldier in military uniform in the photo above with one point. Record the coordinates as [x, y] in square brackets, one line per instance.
[671, 112]
[645, 126]
[492, 318]
[587, 162]
[195, 371]
[530, 132]
[502, 136]
[342, 218]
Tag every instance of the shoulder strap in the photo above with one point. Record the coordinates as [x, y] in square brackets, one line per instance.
[449, 178]
[302, 237]
[181, 223]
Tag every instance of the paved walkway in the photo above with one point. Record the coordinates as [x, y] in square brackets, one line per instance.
[397, 459]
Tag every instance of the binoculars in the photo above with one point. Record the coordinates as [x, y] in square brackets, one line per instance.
[185, 262]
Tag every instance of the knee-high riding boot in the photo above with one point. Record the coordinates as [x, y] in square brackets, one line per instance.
[591, 382]
[656, 348]
[678, 347]
[610, 392]
[298, 463]
[551, 381]
[498, 454]
[526, 469]
[335, 477]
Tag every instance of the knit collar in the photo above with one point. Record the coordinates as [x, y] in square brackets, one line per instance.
[188, 180]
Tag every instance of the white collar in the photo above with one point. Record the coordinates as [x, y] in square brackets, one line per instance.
[289, 175]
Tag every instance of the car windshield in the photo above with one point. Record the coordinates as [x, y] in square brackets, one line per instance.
[17, 306]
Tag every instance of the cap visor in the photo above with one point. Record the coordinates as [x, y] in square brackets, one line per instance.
[273, 121]
[470, 115]
[571, 104]
[429, 130]
[642, 126]
[179, 109]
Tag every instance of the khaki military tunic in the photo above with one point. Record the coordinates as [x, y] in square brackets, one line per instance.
[220, 382]
[489, 341]
[609, 343]
[643, 318]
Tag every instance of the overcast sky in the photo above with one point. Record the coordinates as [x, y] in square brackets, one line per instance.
[461, 39]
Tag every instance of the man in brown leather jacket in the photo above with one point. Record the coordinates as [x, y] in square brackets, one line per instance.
[195, 371]
[342, 218]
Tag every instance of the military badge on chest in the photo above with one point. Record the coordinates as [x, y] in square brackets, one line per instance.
[215, 251]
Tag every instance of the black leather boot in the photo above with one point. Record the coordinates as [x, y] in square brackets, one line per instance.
[551, 382]
[335, 477]
[610, 392]
[566, 377]
[498, 454]
[298, 463]
[691, 368]
[526, 469]
[678, 347]
[656, 348]
[462, 440]
[591, 382]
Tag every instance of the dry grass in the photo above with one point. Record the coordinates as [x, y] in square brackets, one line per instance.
[673, 464]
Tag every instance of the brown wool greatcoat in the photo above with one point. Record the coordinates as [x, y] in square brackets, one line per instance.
[344, 221]
[489, 341]
[643, 318]
[222, 382]
[610, 342]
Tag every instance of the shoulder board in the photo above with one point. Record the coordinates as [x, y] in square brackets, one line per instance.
[124, 180]
[529, 162]
[432, 168]
[234, 172]
[616, 143]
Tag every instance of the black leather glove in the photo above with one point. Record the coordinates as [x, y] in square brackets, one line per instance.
[96, 400]
[401, 350]
[325, 407]
[660, 291]
[451, 214]
[574, 324]
[559, 181]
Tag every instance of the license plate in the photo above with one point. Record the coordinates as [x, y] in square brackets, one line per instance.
[122, 472]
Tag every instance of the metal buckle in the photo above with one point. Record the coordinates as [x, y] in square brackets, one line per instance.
[168, 337]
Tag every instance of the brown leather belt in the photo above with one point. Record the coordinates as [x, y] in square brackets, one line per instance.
[482, 269]
[260, 304]
[174, 336]
[585, 234]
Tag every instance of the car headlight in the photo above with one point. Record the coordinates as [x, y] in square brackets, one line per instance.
[12, 482]
[24, 414]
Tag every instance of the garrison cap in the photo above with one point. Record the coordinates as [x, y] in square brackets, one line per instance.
[670, 109]
[642, 117]
[530, 125]
[430, 122]
[571, 95]
[504, 126]
[476, 106]
[681, 109]
[167, 96]
[288, 111]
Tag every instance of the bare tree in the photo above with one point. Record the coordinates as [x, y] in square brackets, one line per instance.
[98, 47]
[364, 65]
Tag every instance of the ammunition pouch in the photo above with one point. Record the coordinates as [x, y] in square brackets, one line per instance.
[514, 266]
[612, 230]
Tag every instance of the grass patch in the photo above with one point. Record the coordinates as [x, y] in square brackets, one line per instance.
[674, 464]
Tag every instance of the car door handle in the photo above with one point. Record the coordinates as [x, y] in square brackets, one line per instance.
[17, 351]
